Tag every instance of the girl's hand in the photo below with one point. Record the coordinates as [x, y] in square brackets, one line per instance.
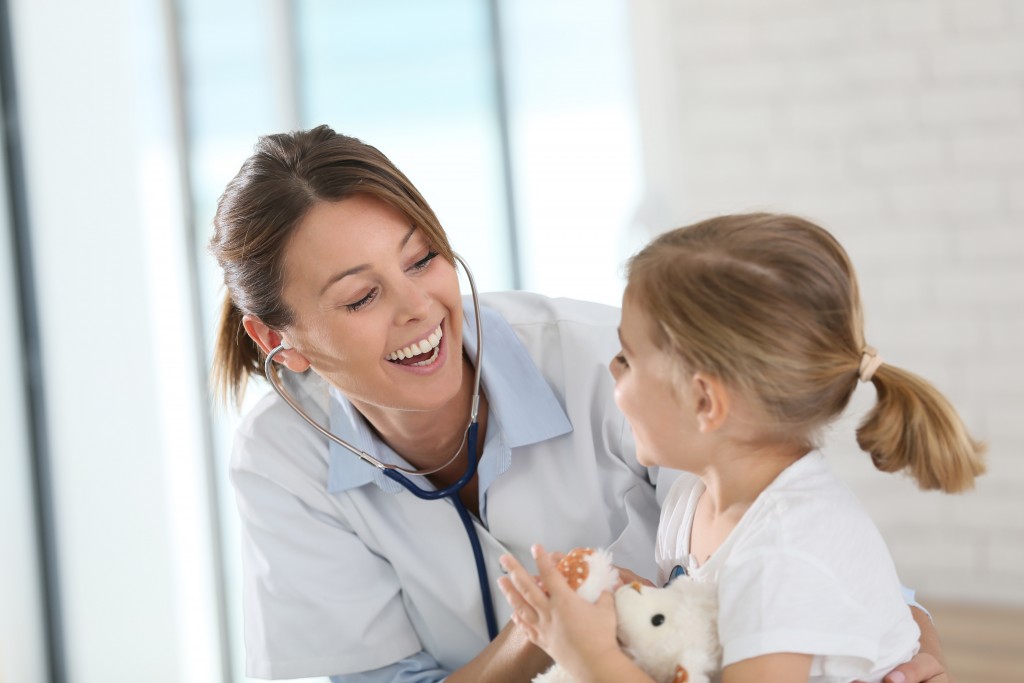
[575, 633]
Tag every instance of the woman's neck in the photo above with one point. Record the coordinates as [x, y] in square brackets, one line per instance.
[426, 439]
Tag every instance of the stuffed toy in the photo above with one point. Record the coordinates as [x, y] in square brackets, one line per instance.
[671, 632]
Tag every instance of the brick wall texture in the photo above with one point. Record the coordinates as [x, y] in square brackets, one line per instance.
[898, 125]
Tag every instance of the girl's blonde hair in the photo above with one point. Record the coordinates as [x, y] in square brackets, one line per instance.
[286, 176]
[769, 304]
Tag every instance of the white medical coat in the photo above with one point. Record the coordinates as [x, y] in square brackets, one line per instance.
[345, 571]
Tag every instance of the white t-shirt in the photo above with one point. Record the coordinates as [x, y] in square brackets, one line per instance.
[805, 571]
[344, 571]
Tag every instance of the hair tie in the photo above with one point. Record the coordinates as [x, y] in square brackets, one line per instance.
[869, 363]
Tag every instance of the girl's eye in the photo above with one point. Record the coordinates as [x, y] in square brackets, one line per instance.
[621, 360]
[425, 261]
[356, 305]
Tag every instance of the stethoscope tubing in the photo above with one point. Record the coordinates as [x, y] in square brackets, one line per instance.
[467, 522]
[398, 473]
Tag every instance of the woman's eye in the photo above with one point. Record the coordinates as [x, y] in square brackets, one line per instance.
[425, 261]
[621, 360]
[356, 305]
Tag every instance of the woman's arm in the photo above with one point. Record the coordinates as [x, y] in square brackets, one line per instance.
[509, 658]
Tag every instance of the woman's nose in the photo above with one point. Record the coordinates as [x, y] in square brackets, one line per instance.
[413, 301]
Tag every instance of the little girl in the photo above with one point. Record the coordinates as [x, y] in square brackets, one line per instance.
[742, 338]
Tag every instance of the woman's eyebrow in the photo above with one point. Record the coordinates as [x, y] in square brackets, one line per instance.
[408, 236]
[363, 266]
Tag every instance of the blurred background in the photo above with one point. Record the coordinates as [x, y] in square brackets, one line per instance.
[552, 139]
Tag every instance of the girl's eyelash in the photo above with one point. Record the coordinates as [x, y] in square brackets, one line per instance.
[370, 296]
[621, 360]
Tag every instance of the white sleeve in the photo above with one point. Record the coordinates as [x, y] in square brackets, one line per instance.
[781, 601]
[316, 600]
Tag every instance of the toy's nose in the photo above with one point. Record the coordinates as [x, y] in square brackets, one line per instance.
[635, 585]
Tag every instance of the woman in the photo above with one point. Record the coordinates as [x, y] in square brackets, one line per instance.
[331, 254]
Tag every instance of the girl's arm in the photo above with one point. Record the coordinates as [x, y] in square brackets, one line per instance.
[783, 667]
[580, 636]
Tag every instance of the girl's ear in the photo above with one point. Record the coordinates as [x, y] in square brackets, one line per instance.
[711, 401]
[269, 339]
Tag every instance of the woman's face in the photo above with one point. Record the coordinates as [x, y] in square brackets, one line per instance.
[645, 393]
[367, 289]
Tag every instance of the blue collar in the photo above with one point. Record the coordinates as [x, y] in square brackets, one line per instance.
[521, 404]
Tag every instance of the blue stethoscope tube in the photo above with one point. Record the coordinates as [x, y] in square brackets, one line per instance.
[397, 473]
[451, 492]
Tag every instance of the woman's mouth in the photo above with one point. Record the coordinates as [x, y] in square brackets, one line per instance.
[418, 353]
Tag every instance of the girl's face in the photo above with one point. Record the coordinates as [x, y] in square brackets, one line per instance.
[646, 395]
[367, 289]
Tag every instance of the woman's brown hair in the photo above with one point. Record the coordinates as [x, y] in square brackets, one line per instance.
[286, 176]
[770, 304]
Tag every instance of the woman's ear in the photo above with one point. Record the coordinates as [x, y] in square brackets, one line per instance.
[711, 401]
[269, 339]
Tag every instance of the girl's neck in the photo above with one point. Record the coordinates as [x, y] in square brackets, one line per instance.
[736, 476]
[733, 481]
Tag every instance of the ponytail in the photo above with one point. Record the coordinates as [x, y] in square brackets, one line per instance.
[235, 356]
[913, 427]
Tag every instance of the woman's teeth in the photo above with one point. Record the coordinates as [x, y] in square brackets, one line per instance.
[428, 361]
[418, 348]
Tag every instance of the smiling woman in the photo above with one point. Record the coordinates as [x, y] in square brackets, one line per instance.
[362, 286]
[338, 270]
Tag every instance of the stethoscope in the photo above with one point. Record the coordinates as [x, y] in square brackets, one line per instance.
[397, 473]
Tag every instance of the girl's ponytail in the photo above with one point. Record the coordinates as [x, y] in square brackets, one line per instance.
[913, 427]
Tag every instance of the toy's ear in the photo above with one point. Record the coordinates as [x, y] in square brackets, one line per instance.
[589, 572]
[681, 676]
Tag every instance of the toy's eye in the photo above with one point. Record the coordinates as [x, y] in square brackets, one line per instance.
[658, 619]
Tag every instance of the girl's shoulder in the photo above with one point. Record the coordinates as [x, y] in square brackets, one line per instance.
[808, 512]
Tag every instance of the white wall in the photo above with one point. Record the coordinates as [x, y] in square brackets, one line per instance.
[105, 213]
[22, 644]
[898, 125]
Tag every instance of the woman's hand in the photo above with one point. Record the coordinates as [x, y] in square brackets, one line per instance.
[572, 631]
[928, 665]
[922, 668]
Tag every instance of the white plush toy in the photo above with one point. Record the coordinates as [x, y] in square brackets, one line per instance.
[671, 633]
